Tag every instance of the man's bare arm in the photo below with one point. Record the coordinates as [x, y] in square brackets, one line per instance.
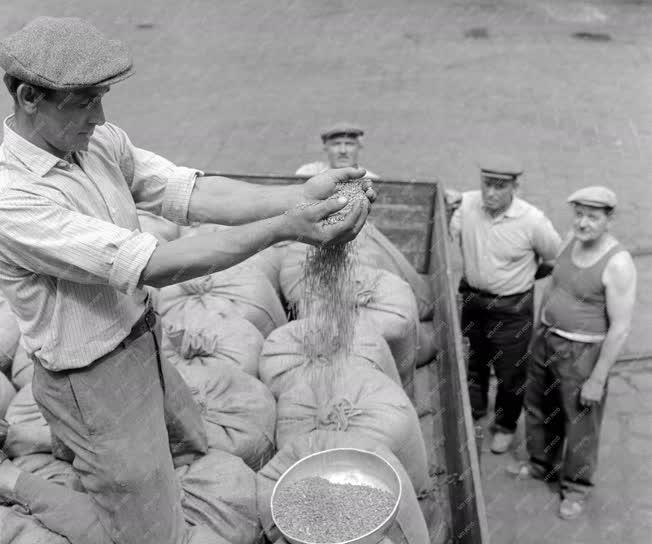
[620, 282]
[232, 202]
[195, 256]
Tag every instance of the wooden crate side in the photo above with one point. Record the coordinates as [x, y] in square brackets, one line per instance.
[465, 489]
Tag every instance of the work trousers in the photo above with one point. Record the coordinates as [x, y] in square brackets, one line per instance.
[122, 418]
[562, 435]
[499, 330]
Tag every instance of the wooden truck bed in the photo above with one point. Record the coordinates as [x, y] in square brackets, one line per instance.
[412, 215]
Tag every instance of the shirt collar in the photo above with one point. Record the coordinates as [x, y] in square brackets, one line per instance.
[515, 209]
[32, 157]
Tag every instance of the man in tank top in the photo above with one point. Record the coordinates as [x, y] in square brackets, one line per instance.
[586, 314]
[504, 242]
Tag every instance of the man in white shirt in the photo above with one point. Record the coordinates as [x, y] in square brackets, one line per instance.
[504, 241]
[342, 146]
[74, 264]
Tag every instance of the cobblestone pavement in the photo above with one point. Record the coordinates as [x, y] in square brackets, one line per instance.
[620, 508]
[244, 85]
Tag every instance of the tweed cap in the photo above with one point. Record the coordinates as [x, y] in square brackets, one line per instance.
[596, 196]
[500, 166]
[341, 129]
[64, 53]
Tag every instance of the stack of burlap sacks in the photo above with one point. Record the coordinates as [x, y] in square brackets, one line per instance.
[229, 336]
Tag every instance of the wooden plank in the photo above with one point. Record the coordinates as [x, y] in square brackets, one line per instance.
[465, 492]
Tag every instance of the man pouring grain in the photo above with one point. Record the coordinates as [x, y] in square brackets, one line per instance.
[73, 265]
[504, 241]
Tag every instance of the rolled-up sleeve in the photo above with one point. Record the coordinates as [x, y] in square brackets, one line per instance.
[156, 184]
[45, 238]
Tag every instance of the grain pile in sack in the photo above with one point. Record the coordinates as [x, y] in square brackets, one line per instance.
[409, 527]
[363, 402]
[7, 393]
[18, 527]
[239, 412]
[9, 335]
[164, 230]
[211, 339]
[283, 361]
[22, 368]
[28, 431]
[384, 300]
[238, 291]
[219, 492]
[374, 249]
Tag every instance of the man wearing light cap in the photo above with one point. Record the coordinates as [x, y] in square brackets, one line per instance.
[74, 264]
[586, 314]
[505, 244]
[342, 146]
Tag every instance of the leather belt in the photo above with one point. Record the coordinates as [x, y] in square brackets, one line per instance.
[146, 323]
[466, 288]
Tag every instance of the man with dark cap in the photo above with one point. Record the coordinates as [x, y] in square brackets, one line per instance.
[586, 315]
[74, 264]
[504, 241]
[342, 146]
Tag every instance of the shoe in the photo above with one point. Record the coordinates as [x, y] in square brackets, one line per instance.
[501, 442]
[523, 471]
[570, 509]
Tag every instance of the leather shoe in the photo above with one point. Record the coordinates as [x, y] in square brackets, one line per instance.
[501, 442]
[570, 509]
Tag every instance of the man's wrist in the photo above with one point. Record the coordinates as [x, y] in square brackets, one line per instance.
[281, 228]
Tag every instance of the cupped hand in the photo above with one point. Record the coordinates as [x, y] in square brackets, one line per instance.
[323, 186]
[308, 225]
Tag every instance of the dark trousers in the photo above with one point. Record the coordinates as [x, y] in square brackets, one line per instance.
[123, 418]
[562, 435]
[499, 330]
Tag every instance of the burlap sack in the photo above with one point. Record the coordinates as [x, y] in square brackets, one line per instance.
[235, 292]
[283, 361]
[211, 339]
[238, 411]
[360, 401]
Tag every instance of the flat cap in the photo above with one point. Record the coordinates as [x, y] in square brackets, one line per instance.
[341, 129]
[500, 166]
[596, 196]
[64, 53]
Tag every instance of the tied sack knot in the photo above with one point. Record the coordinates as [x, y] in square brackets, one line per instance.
[198, 343]
[198, 286]
[337, 414]
[366, 291]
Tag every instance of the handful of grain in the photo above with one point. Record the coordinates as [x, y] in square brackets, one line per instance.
[353, 192]
[316, 510]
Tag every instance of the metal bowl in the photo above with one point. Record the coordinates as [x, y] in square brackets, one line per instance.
[344, 466]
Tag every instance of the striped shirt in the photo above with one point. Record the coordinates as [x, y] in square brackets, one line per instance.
[71, 249]
[501, 254]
